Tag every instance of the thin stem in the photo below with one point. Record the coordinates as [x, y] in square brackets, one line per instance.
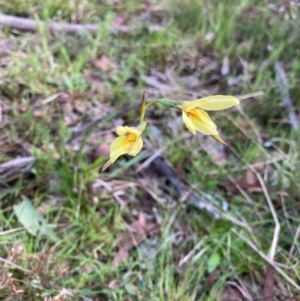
[143, 108]
[163, 101]
[150, 103]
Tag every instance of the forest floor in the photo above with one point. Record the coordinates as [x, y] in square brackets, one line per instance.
[187, 218]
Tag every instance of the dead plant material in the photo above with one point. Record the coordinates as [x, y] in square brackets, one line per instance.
[268, 291]
[24, 24]
[164, 168]
[252, 185]
[82, 130]
[11, 170]
[231, 294]
[94, 81]
[286, 97]
[103, 63]
[6, 47]
[113, 284]
[216, 151]
[138, 231]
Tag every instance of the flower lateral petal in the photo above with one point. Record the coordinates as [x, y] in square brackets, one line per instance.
[219, 139]
[188, 122]
[201, 122]
[136, 147]
[217, 102]
[210, 103]
[118, 148]
[106, 165]
[124, 130]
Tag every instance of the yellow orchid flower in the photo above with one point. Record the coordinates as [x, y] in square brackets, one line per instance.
[129, 142]
[195, 117]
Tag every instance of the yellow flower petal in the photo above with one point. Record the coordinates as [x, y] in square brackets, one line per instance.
[121, 130]
[118, 148]
[200, 121]
[136, 147]
[211, 103]
[125, 130]
[129, 142]
[188, 122]
[218, 138]
[106, 165]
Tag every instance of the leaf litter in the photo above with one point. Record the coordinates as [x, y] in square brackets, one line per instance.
[75, 114]
[138, 231]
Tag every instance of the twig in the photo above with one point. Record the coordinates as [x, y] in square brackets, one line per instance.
[286, 215]
[158, 153]
[245, 167]
[25, 24]
[295, 241]
[243, 290]
[274, 214]
[186, 258]
[18, 163]
[85, 128]
[48, 99]
[279, 270]
[11, 231]
[250, 95]
[287, 101]
[160, 164]
[15, 265]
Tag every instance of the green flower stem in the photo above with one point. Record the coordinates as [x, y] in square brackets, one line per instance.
[150, 103]
[169, 103]
[143, 109]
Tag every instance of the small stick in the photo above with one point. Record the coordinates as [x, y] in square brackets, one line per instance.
[17, 163]
[160, 165]
[295, 241]
[89, 125]
[287, 100]
[25, 24]
[274, 214]
[15, 265]
[186, 258]
[267, 259]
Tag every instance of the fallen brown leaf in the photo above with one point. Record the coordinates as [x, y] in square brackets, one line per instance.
[7, 47]
[250, 177]
[268, 292]
[231, 294]
[118, 21]
[103, 63]
[138, 231]
[252, 184]
[9, 149]
[94, 80]
[114, 284]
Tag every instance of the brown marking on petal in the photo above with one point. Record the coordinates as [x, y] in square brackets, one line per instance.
[194, 114]
[130, 141]
[131, 137]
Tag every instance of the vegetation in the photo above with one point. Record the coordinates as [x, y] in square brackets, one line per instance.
[126, 234]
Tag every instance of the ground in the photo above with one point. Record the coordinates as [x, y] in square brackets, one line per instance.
[187, 218]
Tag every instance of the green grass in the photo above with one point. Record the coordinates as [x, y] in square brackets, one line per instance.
[90, 210]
